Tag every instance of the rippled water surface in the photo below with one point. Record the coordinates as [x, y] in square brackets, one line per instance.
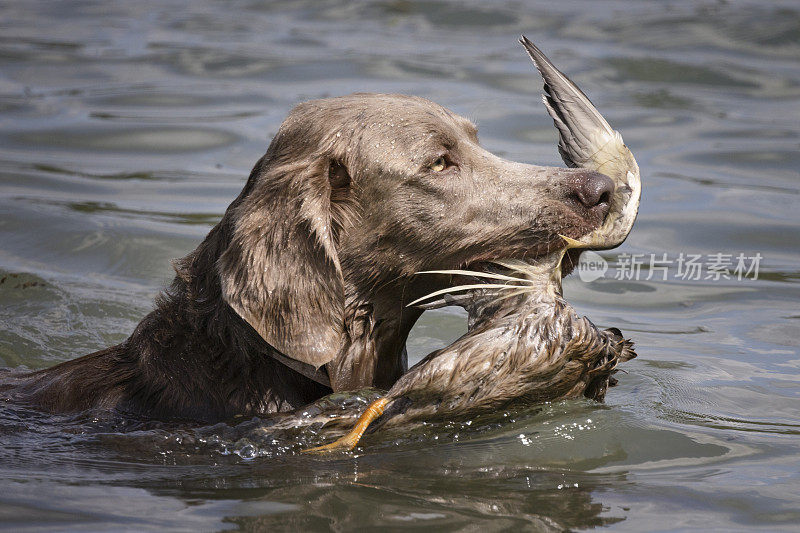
[127, 127]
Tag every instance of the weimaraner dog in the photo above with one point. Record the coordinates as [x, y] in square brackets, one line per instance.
[302, 287]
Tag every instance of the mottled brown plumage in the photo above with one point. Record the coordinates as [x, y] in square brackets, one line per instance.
[531, 347]
[528, 348]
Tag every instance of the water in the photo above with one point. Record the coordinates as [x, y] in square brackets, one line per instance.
[127, 127]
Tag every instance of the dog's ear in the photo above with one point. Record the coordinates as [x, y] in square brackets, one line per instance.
[280, 271]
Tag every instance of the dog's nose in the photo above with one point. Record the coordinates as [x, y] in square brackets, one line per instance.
[592, 189]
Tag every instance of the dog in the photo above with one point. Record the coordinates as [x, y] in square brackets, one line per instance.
[302, 287]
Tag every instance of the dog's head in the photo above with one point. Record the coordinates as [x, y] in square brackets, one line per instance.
[363, 190]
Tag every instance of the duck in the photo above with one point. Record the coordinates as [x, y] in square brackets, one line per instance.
[525, 343]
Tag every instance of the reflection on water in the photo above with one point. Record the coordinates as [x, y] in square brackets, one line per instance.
[538, 466]
[127, 128]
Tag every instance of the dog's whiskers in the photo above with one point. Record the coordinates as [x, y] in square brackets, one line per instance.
[521, 285]
[475, 273]
[458, 288]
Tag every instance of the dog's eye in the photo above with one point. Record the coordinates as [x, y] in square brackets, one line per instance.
[439, 165]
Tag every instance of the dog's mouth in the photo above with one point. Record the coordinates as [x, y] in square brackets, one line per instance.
[586, 140]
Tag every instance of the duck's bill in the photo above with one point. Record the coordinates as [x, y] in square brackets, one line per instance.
[586, 140]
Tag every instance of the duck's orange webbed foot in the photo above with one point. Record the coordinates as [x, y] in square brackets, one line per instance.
[350, 440]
